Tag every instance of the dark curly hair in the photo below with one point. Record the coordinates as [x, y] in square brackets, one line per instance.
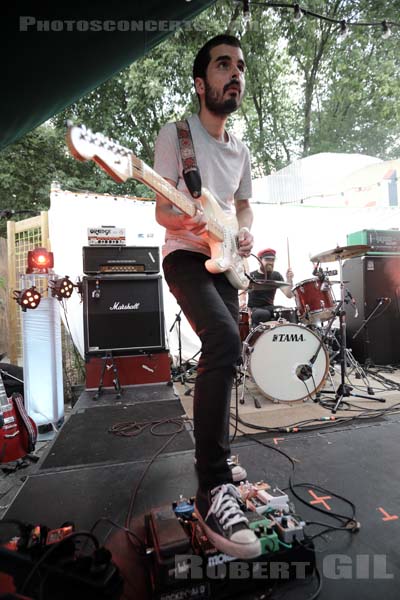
[203, 57]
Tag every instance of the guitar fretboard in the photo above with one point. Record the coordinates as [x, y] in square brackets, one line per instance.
[4, 403]
[161, 186]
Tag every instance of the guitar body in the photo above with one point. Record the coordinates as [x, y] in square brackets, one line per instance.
[223, 248]
[18, 433]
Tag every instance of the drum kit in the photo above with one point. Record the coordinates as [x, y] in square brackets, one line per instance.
[289, 358]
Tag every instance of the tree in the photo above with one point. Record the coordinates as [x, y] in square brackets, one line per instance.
[306, 93]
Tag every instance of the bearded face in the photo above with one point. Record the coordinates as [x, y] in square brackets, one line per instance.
[222, 88]
[223, 103]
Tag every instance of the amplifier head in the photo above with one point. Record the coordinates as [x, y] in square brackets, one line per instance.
[121, 259]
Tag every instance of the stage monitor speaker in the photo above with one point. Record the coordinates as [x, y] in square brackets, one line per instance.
[369, 279]
[123, 314]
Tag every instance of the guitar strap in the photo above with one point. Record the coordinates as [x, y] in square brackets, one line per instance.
[19, 403]
[191, 172]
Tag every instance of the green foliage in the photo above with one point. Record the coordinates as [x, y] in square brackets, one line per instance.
[306, 93]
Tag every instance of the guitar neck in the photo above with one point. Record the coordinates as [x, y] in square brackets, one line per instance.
[161, 186]
[4, 403]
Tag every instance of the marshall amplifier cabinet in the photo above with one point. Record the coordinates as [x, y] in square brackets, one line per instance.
[121, 259]
[123, 314]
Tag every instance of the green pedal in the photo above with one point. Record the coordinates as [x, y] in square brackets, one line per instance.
[263, 527]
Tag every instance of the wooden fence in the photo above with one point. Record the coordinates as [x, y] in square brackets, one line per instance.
[23, 236]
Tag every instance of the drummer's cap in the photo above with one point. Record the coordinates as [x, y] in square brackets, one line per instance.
[267, 253]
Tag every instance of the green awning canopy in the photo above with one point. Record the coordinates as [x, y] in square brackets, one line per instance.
[53, 53]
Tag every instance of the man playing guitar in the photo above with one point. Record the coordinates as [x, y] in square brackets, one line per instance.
[209, 300]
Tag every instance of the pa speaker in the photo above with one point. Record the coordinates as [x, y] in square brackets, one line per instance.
[374, 282]
[123, 314]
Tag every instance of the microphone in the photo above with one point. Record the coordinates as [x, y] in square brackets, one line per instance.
[383, 299]
[352, 302]
[318, 272]
[304, 372]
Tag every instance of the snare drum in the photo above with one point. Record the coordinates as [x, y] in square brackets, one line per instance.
[314, 300]
[244, 324]
[279, 357]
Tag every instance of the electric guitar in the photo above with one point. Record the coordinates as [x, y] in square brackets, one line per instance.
[18, 432]
[121, 164]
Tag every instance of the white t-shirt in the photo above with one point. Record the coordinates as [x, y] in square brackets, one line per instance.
[224, 169]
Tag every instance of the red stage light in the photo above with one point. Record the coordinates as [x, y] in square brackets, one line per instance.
[40, 260]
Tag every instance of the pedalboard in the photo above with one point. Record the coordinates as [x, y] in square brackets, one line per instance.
[185, 564]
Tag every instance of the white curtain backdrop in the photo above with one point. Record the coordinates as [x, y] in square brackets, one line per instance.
[305, 230]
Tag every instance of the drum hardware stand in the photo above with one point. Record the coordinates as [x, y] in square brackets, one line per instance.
[244, 376]
[306, 370]
[181, 372]
[108, 357]
[352, 363]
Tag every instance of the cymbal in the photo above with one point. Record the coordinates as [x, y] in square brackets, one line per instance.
[268, 284]
[341, 252]
[338, 281]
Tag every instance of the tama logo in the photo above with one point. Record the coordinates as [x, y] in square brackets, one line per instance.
[288, 337]
[120, 306]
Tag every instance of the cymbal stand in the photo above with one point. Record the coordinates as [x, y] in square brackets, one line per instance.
[351, 361]
[345, 390]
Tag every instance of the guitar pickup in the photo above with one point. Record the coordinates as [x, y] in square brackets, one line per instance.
[11, 435]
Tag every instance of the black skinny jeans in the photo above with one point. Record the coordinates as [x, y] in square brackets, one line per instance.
[210, 304]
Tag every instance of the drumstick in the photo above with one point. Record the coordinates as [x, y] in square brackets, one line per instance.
[288, 253]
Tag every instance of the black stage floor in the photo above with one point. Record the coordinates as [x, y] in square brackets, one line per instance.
[358, 462]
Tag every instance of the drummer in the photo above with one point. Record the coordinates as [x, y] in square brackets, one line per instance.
[261, 302]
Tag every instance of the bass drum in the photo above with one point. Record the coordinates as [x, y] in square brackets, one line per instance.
[279, 359]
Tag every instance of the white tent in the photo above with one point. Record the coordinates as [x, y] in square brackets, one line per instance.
[329, 179]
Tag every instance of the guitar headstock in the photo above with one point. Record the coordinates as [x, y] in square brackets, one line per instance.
[119, 162]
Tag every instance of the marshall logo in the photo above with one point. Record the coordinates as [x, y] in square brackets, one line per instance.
[288, 337]
[120, 306]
